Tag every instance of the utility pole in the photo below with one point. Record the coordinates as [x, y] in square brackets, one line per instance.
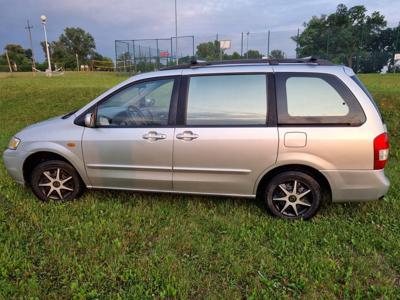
[193, 46]
[247, 44]
[297, 43]
[8, 60]
[29, 27]
[158, 56]
[176, 34]
[241, 47]
[269, 35]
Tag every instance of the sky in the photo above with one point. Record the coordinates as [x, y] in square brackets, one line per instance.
[108, 21]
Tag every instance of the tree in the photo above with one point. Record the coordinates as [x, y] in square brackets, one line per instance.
[72, 42]
[28, 53]
[252, 54]
[379, 50]
[208, 51]
[277, 54]
[78, 41]
[342, 36]
[235, 55]
[17, 54]
[96, 56]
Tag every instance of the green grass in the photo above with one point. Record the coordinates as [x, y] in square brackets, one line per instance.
[132, 245]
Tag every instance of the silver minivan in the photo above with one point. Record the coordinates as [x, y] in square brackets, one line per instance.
[293, 132]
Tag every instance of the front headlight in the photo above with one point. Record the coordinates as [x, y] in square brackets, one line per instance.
[14, 142]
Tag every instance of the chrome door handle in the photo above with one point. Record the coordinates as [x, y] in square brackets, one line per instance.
[154, 136]
[187, 136]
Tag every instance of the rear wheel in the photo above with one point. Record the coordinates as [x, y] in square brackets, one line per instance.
[293, 195]
[56, 180]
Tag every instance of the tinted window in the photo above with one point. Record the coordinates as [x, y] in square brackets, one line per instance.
[227, 100]
[314, 98]
[308, 96]
[143, 104]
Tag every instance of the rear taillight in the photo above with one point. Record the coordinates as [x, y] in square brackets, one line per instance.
[381, 151]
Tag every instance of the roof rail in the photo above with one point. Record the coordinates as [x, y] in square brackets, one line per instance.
[271, 61]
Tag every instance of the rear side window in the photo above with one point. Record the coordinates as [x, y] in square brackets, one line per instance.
[227, 100]
[304, 95]
[305, 98]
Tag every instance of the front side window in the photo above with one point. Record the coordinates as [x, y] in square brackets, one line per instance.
[140, 105]
[224, 100]
[316, 99]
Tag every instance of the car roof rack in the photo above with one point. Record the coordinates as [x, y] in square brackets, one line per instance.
[271, 61]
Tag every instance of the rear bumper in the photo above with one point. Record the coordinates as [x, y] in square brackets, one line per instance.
[357, 185]
[13, 160]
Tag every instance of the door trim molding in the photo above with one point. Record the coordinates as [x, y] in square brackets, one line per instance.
[128, 167]
[212, 170]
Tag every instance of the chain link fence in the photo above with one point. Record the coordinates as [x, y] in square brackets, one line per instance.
[143, 55]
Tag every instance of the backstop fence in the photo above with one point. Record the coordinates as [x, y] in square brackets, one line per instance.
[142, 55]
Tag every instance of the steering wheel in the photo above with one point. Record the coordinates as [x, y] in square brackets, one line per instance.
[104, 120]
[134, 115]
[150, 102]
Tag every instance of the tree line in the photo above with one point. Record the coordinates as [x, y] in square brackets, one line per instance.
[212, 51]
[73, 46]
[351, 37]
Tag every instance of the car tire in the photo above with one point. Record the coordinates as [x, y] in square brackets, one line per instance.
[293, 195]
[56, 180]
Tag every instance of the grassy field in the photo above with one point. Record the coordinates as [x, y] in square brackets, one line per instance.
[131, 245]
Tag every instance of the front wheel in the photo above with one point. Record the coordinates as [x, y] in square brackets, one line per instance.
[293, 195]
[56, 180]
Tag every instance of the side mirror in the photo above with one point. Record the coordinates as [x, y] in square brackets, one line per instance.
[89, 120]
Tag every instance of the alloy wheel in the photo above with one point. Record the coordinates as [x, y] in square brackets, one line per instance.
[56, 183]
[292, 198]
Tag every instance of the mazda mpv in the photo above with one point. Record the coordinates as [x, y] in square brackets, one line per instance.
[293, 132]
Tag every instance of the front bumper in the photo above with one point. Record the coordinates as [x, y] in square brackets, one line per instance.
[357, 185]
[13, 161]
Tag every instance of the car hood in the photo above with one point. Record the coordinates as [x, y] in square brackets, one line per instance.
[50, 122]
[46, 130]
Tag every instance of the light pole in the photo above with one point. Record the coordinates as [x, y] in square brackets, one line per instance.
[247, 44]
[43, 18]
[176, 35]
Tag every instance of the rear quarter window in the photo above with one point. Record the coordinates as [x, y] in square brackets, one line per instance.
[362, 86]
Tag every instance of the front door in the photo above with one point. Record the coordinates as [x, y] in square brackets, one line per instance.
[131, 144]
[225, 143]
